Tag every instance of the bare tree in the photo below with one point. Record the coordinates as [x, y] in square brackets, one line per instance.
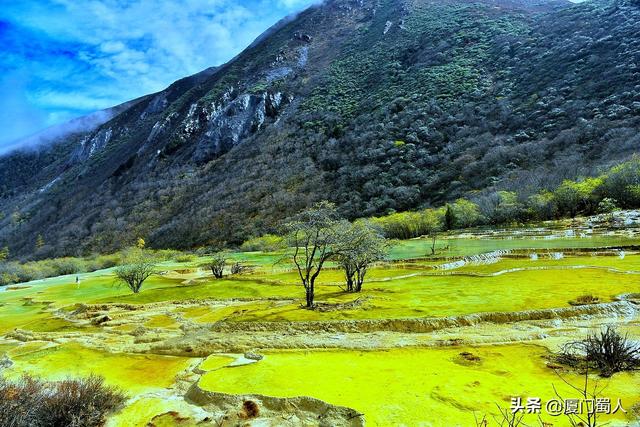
[314, 236]
[587, 393]
[510, 418]
[238, 268]
[217, 264]
[505, 418]
[363, 245]
[136, 267]
[432, 223]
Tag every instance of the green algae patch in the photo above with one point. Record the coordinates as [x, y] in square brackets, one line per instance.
[56, 324]
[35, 317]
[206, 314]
[14, 349]
[411, 387]
[506, 286]
[143, 411]
[162, 321]
[102, 289]
[195, 312]
[20, 314]
[125, 327]
[134, 373]
[63, 291]
[434, 296]
[31, 308]
[335, 276]
[622, 263]
[631, 330]
[6, 347]
[214, 362]
[208, 289]
[459, 247]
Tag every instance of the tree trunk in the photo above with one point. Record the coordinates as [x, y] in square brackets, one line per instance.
[309, 294]
[359, 281]
[360, 273]
[350, 284]
[433, 245]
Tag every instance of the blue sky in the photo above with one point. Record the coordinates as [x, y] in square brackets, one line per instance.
[61, 59]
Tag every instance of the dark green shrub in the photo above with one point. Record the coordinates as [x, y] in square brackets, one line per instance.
[266, 243]
[622, 183]
[63, 266]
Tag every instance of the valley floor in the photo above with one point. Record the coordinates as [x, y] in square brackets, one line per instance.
[431, 341]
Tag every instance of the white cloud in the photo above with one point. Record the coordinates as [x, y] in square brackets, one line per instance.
[112, 47]
[125, 49]
[66, 101]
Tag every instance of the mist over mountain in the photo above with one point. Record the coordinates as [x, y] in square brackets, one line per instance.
[377, 105]
[55, 133]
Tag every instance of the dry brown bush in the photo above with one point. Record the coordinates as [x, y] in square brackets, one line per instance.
[69, 403]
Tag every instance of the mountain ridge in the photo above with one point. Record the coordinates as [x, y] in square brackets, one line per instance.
[377, 105]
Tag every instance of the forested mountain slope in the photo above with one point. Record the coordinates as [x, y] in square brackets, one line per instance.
[377, 105]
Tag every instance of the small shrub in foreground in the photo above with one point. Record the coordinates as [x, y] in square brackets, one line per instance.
[73, 402]
[607, 351]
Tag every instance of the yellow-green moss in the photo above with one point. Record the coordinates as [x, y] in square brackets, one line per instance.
[134, 373]
[413, 387]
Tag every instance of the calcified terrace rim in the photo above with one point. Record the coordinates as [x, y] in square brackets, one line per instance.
[625, 307]
[617, 309]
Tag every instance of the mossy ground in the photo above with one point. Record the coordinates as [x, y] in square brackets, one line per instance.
[397, 386]
[415, 387]
[134, 373]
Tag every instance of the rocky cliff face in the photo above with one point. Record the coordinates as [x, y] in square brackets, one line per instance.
[378, 105]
